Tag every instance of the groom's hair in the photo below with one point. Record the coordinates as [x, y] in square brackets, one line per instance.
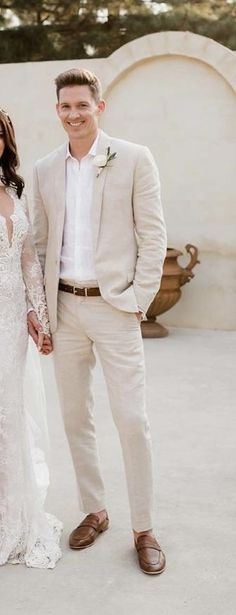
[79, 76]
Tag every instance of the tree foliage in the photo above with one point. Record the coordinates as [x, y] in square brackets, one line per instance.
[67, 29]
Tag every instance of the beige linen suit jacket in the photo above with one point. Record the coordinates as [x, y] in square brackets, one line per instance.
[129, 236]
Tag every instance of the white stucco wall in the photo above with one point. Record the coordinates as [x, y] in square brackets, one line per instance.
[176, 93]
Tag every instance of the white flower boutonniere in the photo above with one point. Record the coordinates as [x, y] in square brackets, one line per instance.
[101, 161]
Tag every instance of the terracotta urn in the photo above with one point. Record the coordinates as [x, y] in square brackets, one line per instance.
[174, 276]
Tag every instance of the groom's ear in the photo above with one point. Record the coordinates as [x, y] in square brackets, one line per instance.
[101, 106]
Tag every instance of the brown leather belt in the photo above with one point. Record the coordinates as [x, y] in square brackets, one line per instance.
[81, 292]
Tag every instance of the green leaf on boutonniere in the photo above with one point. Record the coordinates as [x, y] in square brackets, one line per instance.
[101, 161]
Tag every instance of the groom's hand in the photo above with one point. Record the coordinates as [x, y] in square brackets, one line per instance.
[45, 344]
[139, 316]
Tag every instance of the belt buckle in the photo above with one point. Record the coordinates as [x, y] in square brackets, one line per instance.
[85, 292]
[74, 290]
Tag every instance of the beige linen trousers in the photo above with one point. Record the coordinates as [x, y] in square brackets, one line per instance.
[129, 241]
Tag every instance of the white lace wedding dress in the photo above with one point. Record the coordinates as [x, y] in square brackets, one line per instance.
[27, 534]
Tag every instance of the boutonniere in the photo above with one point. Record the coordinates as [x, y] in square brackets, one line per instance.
[101, 161]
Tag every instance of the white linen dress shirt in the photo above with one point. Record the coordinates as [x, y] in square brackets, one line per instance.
[77, 257]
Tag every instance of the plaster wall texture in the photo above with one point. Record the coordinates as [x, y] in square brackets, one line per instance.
[176, 93]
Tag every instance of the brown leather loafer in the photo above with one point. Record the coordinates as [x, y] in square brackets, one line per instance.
[88, 530]
[151, 558]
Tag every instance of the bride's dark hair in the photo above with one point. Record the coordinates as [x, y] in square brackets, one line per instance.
[9, 161]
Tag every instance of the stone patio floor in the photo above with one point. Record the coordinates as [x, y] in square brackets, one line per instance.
[191, 392]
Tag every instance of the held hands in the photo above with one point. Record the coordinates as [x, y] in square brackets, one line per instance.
[139, 316]
[41, 339]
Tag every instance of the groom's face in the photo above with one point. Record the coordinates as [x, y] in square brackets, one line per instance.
[79, 111]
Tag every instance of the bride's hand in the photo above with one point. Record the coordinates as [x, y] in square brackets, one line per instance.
[33, 326]
[41, 340]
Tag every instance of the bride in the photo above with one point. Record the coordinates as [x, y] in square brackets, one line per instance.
[27, 534]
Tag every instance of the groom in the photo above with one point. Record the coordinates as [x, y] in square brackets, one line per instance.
[101, 239]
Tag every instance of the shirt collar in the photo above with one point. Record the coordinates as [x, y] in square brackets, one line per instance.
[92, 151]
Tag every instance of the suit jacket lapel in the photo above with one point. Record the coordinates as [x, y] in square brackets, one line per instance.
[98, 187]
[60, 190]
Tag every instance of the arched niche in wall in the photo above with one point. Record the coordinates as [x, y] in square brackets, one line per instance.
[176, 93]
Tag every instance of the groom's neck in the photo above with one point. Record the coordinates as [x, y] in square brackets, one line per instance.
[80, 147]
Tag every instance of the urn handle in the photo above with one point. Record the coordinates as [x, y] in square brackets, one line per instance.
[187, 274]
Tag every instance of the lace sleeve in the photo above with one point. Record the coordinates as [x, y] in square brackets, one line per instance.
[33, 276]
